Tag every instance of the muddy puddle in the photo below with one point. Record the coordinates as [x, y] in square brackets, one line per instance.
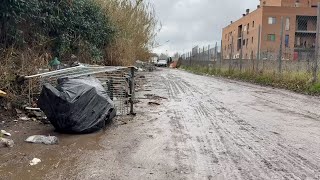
[15, 161]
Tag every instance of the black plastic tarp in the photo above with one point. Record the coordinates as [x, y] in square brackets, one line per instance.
[78, 105]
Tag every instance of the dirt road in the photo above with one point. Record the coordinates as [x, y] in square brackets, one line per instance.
[204, 128]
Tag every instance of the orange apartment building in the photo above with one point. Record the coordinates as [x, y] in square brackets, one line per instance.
[258, 33]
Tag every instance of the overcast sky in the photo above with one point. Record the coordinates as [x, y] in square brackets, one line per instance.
[187, 23]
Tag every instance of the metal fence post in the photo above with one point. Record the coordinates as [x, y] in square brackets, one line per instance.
[202, 55]
[208, 53]
[132, 90]
[281, 44]
[241, 51]
[199, 55]
[315, 69]
[110, 88]
[258, 52]
[221, 56]
[216, 52]
[231, 53]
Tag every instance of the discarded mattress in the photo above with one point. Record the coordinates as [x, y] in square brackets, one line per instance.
[78, 105]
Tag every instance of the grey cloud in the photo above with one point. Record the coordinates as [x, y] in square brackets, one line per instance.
[195, 22]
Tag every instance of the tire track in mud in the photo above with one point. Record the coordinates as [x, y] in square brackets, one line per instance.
[249, 150]
[208, 163]
[201, 116]
[282, 107]
[299, 169]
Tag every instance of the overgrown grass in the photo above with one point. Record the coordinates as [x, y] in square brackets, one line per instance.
[294, 81]
[32, 33]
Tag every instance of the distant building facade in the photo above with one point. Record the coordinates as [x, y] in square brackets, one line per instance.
[257, 33]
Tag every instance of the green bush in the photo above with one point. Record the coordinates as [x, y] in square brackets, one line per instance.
[63, 27]
[315, 89]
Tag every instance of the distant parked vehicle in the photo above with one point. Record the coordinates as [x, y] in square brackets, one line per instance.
[162, 63]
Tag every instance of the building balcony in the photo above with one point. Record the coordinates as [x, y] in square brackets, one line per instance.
[306, 31]
[304, 48]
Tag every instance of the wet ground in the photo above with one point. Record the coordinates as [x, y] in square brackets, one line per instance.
[199, 128]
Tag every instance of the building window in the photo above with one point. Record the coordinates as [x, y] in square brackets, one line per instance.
[286, 41]
[252, 23]
[252, 40]
[287, 24]
[244, 42]
[271, 20]
[271, 37]
[247, 42]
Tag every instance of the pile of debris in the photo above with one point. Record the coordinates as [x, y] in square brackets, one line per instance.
[31, 114]
[5, 142]
[77, 105]
[145, 66]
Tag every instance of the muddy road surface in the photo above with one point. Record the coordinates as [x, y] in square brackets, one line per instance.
[196, 127]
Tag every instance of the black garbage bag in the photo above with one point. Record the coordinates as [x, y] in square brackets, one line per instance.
[78, 105]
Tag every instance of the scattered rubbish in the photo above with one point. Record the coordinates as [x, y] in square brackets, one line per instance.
[40, 139]
[36, 114]
[3, 94]
[142, 77]
[173, 64]
[33, 109]
[18, 111]
[8, 106]
[153, 96]
[154, 103]
[5, 133]
[24, 118]
[15, 120]
[57, 165]
[149, 95]
[276, 133]
[34, 161]
[77, 105]
[6, 142]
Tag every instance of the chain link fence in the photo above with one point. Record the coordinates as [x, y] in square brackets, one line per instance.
[293, 47]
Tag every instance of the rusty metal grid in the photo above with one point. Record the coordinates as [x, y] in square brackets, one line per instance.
[117, 82]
